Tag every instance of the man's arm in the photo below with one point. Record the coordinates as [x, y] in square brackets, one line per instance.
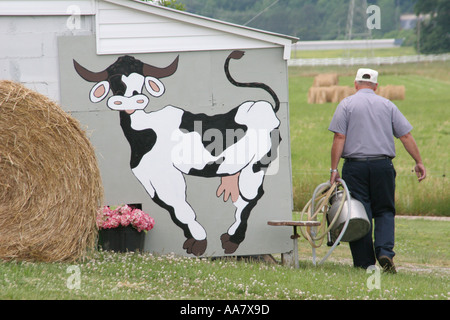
[410, 145]
[336, 153]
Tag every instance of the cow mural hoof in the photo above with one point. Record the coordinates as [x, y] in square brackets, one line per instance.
[196, 247]
[227, 245]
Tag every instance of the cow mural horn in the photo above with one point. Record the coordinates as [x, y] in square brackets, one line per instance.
[149, 70]
[90, 75]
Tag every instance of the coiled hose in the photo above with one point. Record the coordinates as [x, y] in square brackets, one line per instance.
[319, 205]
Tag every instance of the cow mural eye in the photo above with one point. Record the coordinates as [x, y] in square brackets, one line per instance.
[99, 91]
[154, 86]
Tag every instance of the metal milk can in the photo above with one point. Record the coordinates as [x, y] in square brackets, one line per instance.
[359, 223]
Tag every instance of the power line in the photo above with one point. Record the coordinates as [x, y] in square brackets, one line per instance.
[264, 10]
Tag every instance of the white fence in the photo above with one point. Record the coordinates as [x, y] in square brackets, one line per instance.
[368, 60]
[346, 44]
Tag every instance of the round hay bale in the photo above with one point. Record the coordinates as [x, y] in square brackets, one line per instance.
[317, 95]
[396, 92]
[326, 80]
[329, 93]
[341, 92]
[383, 91]
[50, 187]
[312, 95]
[391, 92]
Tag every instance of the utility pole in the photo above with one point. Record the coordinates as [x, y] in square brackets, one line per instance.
[418, 33]
[349, 30]
[356, 23]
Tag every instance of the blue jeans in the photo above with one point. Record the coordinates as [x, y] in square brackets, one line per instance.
[373, 184]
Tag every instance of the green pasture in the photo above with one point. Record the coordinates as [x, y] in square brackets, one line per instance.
[356, 53]
[422, 263]
[426, 106]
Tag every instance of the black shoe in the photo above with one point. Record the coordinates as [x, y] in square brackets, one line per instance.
[387, 264]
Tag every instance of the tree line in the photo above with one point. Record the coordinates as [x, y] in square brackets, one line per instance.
[306, 19]
[328, 20]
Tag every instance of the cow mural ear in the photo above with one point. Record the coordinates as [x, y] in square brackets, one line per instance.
[154, 86]
[99, 91]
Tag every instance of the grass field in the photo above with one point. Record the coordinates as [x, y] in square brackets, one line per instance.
[427, 108]
[422, 263]
[356, 53]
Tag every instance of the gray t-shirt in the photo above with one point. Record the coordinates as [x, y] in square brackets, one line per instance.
[369, 123]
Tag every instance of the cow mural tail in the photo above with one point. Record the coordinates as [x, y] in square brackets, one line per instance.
[274, 135]
[248, 182]
[237, 54]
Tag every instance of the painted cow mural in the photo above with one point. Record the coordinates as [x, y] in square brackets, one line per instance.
[170, 143]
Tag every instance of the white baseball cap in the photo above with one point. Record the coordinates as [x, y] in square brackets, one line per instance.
[367, 75]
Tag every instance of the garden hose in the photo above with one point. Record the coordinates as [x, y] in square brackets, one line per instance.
[319, 205]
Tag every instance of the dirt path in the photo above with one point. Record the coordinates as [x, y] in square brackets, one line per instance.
[405, 267]
[410, 267]
[423, 217]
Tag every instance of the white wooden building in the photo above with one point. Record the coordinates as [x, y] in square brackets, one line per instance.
[40, 40]
[29, 31]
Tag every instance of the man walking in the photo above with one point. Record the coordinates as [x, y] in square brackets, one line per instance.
[364, 127]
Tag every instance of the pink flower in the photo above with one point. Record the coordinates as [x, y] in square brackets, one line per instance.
[124, 216]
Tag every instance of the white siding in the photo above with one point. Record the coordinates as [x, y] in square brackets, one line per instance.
[130, 27]
[46, 7]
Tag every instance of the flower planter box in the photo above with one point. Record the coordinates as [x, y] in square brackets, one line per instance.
[121, 239]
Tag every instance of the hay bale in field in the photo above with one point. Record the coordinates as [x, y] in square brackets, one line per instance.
[391, 92]
[317, 95]
[380, 91]
[312, 95]
[50, 187]
[329, 94]
[338, 93]
[396, 92]
[341, 92]
[326, 80]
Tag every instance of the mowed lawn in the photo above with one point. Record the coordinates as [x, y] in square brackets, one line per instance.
[426, 106]
[422, 263]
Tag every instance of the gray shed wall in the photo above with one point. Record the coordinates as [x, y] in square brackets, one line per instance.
[199, 86]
